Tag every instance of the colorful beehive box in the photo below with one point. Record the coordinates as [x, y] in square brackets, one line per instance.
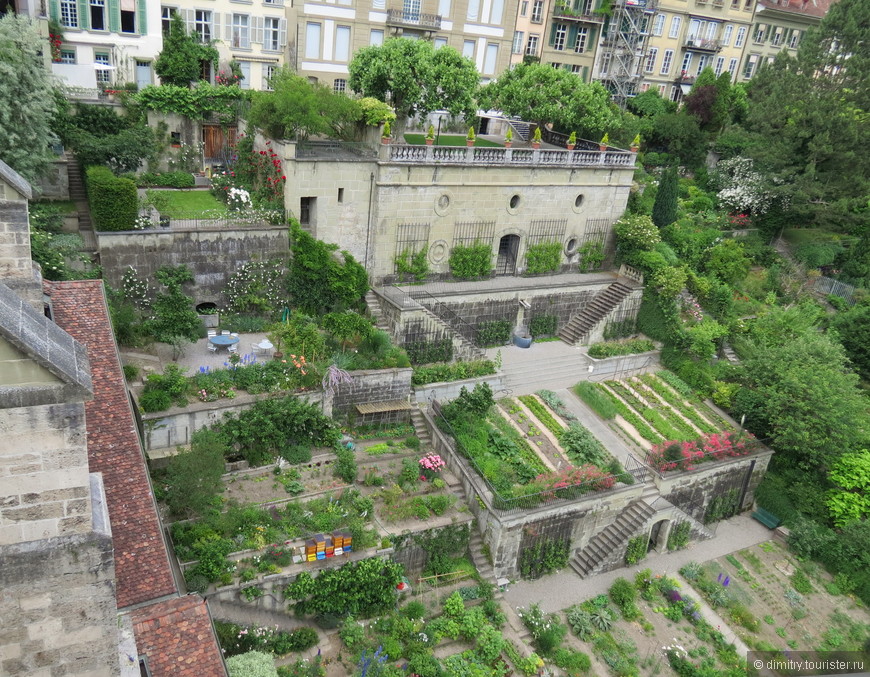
[320, 539]
[310, 550]
[338, 542]
[330, 548]
[347, 541]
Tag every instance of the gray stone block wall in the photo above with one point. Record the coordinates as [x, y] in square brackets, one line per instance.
[58, 607]
[379, 385]
[212, 255]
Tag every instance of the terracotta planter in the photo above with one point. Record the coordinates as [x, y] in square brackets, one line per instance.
[602, 148]
[508, 144]
[634, 149]
[570, 146]
[469, 142]
[429, 142]
[536, 144]
[385, 140]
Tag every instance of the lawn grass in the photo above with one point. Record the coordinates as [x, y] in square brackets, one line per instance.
[449, 140]
[187, 203]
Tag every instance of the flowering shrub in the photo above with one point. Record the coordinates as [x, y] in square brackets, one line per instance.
[238, 199]
[431, 464]
[256, 287]
[675, 455]
[574, 481]
[742, 188]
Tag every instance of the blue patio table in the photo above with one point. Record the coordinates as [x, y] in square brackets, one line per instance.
[223, 341]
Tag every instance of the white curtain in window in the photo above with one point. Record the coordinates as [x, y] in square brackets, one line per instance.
[342, 43]
[312, 41]
[490, 59]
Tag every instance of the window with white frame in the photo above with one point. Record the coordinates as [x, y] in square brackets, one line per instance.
[472, 12]
[712, 27]
[444, 8]
[339, 85]
[67, 56]
[726, 35]
[272, 34]
[644, 87]
[658, 25]
[342, 43]
[555, 64]
[103, 68]
[605, 63]
[202, 24]
[662, 89]
[794, 39]
[732, 66]
[128, 16]
[241, 31]
[312, 40]
[777, 36]
[468, 49]
[537, 11]
[758, 35]
[532, 45]
[667, 59]
[98, 15]
[166, 18]
[440, 42]
[490, 58]
[69, 15]
[702, 63]
[519, 41]
[245, 69]
[582, 39]
[524, 8]
[376, 37]
[687, 63]
[720, 64]
[749, 68]
[650, 64]
[559, 33]
[741, 36]
[676, 93]
[577, 69]
[268, 71]
[694, 29]
[676, 22]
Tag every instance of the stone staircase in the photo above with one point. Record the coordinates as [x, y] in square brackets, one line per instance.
[606, 547]
[421, 430]
[522, 129]
[554, 373]
[373, 304]
[599, 308]
[78, 195]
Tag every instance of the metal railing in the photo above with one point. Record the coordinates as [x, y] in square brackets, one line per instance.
[581, 157]
[565, 11]
[830, 286]
[452, 320]
[403, 17]
[702, 43]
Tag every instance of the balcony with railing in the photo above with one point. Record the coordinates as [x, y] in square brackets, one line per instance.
[685, 79]
[403, 18]
[494, 157]
[702, 44]
[565, 11]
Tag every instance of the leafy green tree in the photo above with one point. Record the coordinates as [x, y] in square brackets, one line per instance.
[650, 103]
[851, 501]
[543, 94]
[665, 207]
[710, 100]
[174, 315]
[321, 279]
[728, 261]
[853, 330]
[415, 78]
[299, 108]
[180, 62]
[807, 399]
[193, 477]
[636, 232]
[27, 105]
[680, 135]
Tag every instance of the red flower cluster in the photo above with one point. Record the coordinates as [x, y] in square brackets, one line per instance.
[584, 478]
[739, 220]
[55, 41]
[676, 455]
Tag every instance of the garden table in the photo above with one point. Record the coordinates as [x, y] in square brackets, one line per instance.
[223, 341]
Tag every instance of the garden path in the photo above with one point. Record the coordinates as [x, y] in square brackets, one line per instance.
[595, 425]
[563, 589]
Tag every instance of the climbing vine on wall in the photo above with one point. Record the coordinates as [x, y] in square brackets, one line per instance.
[544, 556]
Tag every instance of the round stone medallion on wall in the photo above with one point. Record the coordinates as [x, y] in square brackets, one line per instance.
[438, 251]
[578, 203]
[571, 246]
[442, 203]
[514, 203]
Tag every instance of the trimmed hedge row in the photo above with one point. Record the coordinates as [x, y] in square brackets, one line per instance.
[113, 201]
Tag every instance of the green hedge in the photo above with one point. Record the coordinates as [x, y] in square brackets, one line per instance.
[543, 258]
[493, 333]
[543, 325]
[456, 371]
[617, 348]
[471, 261]
[113, 201]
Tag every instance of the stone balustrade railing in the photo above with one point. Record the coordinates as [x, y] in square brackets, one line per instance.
[505, 156]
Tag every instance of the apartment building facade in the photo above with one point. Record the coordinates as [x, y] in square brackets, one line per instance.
[105, 42]
[778, 25]
[686, 36]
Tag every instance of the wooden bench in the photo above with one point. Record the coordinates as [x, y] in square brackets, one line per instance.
[390, 411]
[768, 519]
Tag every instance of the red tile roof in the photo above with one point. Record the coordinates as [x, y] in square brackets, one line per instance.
[813, 8]
[178, 638]
[142, 569]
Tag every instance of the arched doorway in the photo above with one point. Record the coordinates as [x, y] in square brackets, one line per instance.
[508, 249]
[658, 535]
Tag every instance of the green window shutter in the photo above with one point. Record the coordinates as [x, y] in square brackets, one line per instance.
[141, 17]
[54, 10]
[552, 35]
[590, 40]
[84, 11]
[572, 38]
[114, 16]
[585, 73]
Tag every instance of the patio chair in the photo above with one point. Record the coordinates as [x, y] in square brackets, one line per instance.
[233, 347]
[256, 349]
[211, 332]
[234, 335]
[212, 348]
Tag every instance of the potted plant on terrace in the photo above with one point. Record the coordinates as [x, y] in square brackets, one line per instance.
[385, 134]
[602, 145]
[572, 140]
[470, 138]
[635, 143]
[536, 138]
[430, 135]
[509, 137]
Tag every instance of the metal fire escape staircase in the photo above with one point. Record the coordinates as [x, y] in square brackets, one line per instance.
[625, 47]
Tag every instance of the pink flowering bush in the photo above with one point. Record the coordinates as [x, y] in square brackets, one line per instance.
[573, 482]
[674, 455]
[430, 465]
